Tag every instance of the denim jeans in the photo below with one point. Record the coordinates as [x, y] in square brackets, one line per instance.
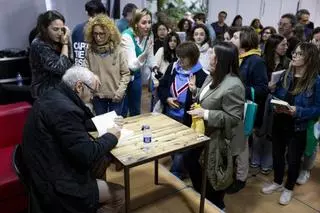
[104, 105]
[177, 167]
[132, 101]
[261, 152]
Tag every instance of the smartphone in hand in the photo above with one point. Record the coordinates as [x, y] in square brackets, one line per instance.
[64, 30]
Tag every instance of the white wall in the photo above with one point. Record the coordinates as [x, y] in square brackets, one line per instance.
[17, 19]
[269, 11]
[314, 8]
[139, 3]
[72, 10]
[215, 6]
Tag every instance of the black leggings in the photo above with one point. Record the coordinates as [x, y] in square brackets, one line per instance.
[296, 143]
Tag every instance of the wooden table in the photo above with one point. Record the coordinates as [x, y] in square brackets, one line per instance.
[168, 137]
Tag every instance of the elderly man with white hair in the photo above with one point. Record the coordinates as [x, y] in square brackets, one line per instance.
[59, 153]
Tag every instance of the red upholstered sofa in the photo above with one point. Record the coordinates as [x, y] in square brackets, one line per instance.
[13, 198]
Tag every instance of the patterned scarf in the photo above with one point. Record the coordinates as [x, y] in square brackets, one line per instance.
[179, 88]
[102, 49]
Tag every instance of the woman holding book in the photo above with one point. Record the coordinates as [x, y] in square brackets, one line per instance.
[300, 87]
[310, 154]
[275, 54]
[276, 60]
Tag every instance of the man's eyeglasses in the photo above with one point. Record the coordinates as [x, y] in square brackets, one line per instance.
[280, 24]
[93, 91]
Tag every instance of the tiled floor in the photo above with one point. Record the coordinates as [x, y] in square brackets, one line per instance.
[250, 200]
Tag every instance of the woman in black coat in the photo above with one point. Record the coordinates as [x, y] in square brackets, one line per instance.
[49, 52]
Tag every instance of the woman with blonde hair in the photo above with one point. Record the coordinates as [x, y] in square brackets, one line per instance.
[108, 61]
[137, 42]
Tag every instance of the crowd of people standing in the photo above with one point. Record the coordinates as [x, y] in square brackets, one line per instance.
[103, 64]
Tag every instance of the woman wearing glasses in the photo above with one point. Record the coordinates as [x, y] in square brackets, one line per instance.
[106, 59]
[300, 87]
[276, 60]
[49, 52]
[265, 35]
[310, 154]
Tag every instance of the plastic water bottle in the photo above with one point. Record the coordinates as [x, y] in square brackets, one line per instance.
[147, 137]
[19, 79]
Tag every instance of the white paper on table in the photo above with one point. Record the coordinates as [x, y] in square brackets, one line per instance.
[125, 135]
[104, 122]
[275, 77]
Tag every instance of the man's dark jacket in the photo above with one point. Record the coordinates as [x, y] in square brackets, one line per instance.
[60, 154]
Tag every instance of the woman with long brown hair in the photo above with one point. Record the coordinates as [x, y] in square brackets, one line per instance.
[276, 60]
[265, 35]
[221, 99]
[49, 52]
[300, 87]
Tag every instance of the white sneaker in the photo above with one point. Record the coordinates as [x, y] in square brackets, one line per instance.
[286, 197]
[304, 176]
[272, 187]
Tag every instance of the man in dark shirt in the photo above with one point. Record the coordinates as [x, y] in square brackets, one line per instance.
[303, 17]
[286, 27]
[79, 46]
[127, 13]
[220, 27]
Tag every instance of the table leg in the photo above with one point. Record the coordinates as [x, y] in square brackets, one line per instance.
[127, 188]
[204, 178]
[156, 172]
